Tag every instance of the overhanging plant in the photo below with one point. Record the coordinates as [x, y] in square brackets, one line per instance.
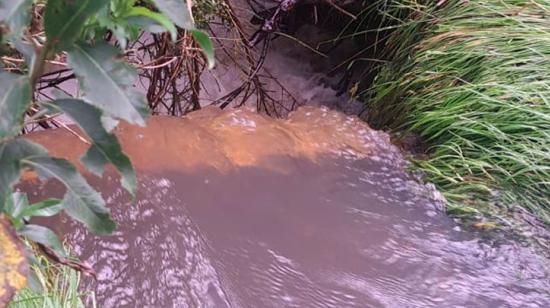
[75, 30]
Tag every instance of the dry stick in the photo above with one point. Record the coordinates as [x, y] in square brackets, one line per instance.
[54, 82]
[195, 85]
[148, 66]
[228, 54]
[82, 267]
[58, 72]
[64, 126]
[17, 60]
[163, 90]
[242, 35]
[341, 9]
[290, 37]
[252, 75]
[163, 78]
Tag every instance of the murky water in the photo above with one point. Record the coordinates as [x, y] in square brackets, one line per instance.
[238, 210]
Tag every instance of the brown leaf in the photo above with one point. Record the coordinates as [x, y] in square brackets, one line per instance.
[13, 262]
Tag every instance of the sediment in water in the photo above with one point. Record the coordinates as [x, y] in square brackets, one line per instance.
[239, 209]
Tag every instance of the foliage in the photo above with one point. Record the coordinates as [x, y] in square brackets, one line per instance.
[75, 30]
[53, 286]
[473, 80]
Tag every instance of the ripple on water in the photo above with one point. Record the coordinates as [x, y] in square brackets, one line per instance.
[257, 238]
[313, 211]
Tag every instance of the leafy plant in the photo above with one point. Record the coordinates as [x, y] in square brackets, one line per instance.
[58, 285]
[75, 30]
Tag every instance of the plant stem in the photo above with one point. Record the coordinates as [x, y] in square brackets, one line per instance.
[38, 65]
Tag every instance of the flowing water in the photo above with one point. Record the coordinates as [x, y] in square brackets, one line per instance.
[235, 209]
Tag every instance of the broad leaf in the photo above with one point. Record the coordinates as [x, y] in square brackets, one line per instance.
[15, 98]
[17, 207]
[81, 201]
[159, 18]
[11, 152]
[14, 205]
[206, 45]
[146, 24]
[107, 82]
[94, 217]
[64, 20]
[16, 149]
[44, 236]
[13, 264]
[95, 161]
[177, 11]
[25, 49]
[105, 147]
[16, 14]
[44, 208]
[9, 174]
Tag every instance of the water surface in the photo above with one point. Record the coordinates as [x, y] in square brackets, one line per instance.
[238, 210]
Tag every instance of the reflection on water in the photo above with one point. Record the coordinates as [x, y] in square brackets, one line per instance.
[314, 211]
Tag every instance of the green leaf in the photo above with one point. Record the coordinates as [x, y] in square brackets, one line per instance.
[8, 176]
[33, 282]
[25, 49]
[146, 24]
[64, 20]
[177, 11]
[105, 146]
[11, 152]
[44, 236]
[107, 82]
[19, 148]
[81, 201]
[94, 160]
[159, 18]
[206, 45]
[17, 208]
[14, 205]
[15, 98]
[44, 208]
[16, 14]
[94, 217]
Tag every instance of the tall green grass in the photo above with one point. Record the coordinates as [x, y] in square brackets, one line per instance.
[54, 286]
[472, 79]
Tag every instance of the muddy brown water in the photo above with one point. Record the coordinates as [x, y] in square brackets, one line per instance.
[238, 210]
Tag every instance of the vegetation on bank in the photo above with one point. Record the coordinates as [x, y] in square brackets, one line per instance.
[52, 286]
[88, 39]
[472, 79]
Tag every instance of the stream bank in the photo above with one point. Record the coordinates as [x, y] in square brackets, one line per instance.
[471, 81]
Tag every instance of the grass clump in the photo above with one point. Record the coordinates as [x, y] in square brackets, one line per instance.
[52, 286]
[472, 79]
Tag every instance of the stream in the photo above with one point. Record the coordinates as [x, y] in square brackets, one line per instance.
[236, 209]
